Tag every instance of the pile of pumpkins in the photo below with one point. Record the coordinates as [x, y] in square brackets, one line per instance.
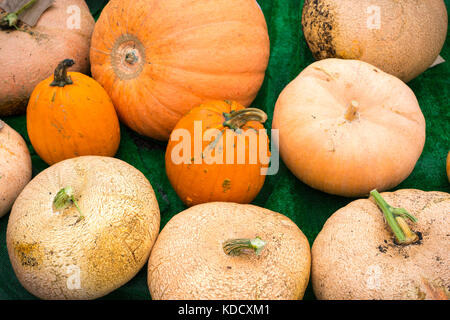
[348, 125]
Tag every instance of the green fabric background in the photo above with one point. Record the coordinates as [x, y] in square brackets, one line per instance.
[283, 193]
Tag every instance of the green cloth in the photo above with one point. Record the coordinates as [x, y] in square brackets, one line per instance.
[283, 193]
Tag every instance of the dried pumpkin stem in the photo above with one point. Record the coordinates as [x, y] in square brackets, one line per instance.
[235, 247]
[238, 119]
[395, 217]
[352, 111]
[64, 199]
[11, 19]
[61, 78]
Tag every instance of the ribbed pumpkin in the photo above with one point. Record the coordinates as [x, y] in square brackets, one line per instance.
[70, 115]
[159, 59]
[221, 166]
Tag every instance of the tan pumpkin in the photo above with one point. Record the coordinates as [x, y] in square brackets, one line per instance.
[346, 127]
[402, 38]
[159, 59]
[82, 228]
[223, 250]
[70, 115]
[28, 56]
[370, 250]
[15, 166]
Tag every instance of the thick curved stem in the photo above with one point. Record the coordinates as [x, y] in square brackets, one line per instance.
[61, 78]
[64, 199]
[235, 247]
[238, 119]
[395, 219]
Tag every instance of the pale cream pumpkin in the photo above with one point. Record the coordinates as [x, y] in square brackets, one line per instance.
[346, 127]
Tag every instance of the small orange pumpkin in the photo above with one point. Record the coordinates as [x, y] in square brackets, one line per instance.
[218, 151]
[70, 115]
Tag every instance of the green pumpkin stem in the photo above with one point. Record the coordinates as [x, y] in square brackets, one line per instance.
[10, 20]
[64, 199]
[395, 217]
[238, 119]
[235, 247]
[61, 78]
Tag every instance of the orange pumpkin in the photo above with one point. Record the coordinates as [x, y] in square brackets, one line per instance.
[159, 59]
[346, 128]
[217, 153]
[70, 115]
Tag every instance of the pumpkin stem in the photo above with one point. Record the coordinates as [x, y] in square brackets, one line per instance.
[238, 119]
[352, 111]
[64, 199]
[61, 78]
[395, 218]
[11, 19]
[235, 247]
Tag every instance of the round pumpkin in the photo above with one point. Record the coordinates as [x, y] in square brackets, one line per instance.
[218, 145]
[357, 254]
[70, 115]
[82, 228]
[15, 166]
[346, 127]
[28, 56]
[158, 59]
[229, 251]
[402, 38]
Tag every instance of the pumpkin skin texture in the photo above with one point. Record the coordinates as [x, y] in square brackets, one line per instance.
[15, 166]
[346, 128]
[188, 261]
[355, 257]
[48, 247]
[158, 59]
[403, 38]
[28, 59]
[228, 181]
[77, 119]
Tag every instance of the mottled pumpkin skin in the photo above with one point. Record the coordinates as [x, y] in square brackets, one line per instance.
[159, 59]
[197, 183]
[71, 121]
[26, 59]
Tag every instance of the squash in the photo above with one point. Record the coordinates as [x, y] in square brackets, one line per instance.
[225, 160]
[402, 38]
[229, 251]
[368, 250]
[27, 56]
[70, 115]
[82, 228]
[159, 59]
[15, 166]
[346, 127]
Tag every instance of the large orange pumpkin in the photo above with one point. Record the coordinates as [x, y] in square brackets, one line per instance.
[346, 127]
[158, 59]
[70, 115]
[222, 165]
